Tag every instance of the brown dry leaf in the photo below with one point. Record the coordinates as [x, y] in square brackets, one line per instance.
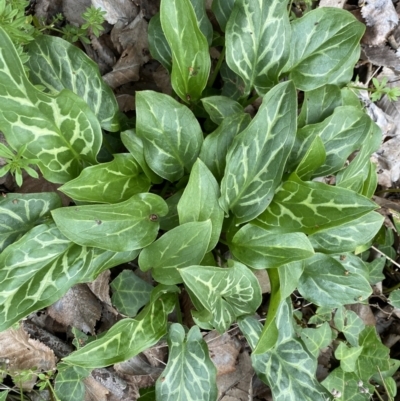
[126, 102]
[381, 18]
[263, 280]
[101, 288]
[237, 386]
[73, 10]
[163, 80]
[77, 308]
[117, 9]
[137, 366]
[224, 350]
[118, 387]
[381, 55]
[388, 157]
[364, 312]
[45, 10]
[94, 390]
[150, 7]
[23, 353]
[133, 40]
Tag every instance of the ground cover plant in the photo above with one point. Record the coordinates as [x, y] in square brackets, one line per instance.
[204, 196]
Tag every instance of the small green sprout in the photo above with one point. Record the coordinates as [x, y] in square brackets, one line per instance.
[94, 18]
[381, 88]
[15, 163]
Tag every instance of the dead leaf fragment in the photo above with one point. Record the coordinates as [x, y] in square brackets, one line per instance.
[101, 288]
[23, 353]
[77, 308]
[117, 10]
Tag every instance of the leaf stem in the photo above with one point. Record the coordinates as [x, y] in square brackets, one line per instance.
[217, 68]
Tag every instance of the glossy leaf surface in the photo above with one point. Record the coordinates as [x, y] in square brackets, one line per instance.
[190, 374]
[222, 10]
[257, 42]
[125, 226]
[61, 131]
[257, 156]
[220, 107]
[171, 135]
[158, 45]
[111, 182]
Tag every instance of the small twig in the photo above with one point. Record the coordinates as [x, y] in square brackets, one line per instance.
[387, 257]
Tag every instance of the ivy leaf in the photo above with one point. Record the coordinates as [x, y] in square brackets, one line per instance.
[69, 384]
[257, 156]
[58, 64]
[226, 293]
[347, 356]
[61, 131]
[220, 107]
[394, 298]
[199, 201]
[332, 285]
[21, 212]
[111, 182]
[190, 56]
[180, 247]
[171, 135]
[128, 337]
[324, 48]
[317, 338]
[257, 42]
[288, 369]
[130, 293]
[263, 249]
[310, 207]
[190, 373]
[125, 226]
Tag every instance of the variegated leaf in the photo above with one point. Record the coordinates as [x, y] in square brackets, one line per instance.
[325, 47]
[288, 369]
[190, 56]
[190, 374]
[121, 227]
[319, 104]
[226, 293]
[347, 237]
[61, 131]
[222, 10]
[257, 42]
[180, 247]
[204, 24]
[199, 201]
[21, 212]
[128, 337]
[216, 145]
[312, 159]
[371, 181]
[332, 285]
[234, 86]
[158, 45]
[317, 338]
[111, 182]
[310, 207]
[69, 384]
[257, 156]
[170, 132]
[220, 107]
[54, 265]
[263, 249]
[58, 64]
[342, 133]
[349, 323]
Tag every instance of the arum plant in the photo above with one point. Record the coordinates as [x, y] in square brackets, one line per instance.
[199, 178]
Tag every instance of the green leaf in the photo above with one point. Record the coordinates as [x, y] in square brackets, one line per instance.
[371, 182]
[225, 292]
[324, 48]
[376, 270]
[158, 45]
[347, 237]
[171, 135]
[58, 64]
[349, 324]
[190, 56]
[222, 10]
[374, 356]
[216, 145]
[347, 125]
[61, 131]
[353, 264]
[3, 395]
[111, 182]
[190, 374]
[135, 146]
[319, 104]
[312, 159]
[21, 212]
[332, 285]
[220, 107]
[234, 86]
[317, 338]
[199, 201]
[130, 293]
[257, 156]
[347, 356]
[394, 298]
[180, 247]
[121, 227]
[69, 384]
[289, 276]
[288, 369]
[257, 42]
[204, 24]
[263, 249]
[345, 385]
[171, 220]
[128, 337]
[310, 207]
